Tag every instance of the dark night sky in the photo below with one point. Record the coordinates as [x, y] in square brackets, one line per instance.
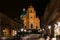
[14, 8]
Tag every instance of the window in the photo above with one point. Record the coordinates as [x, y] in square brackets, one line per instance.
[30, 11]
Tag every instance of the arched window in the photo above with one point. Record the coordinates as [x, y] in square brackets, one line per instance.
[30, 11]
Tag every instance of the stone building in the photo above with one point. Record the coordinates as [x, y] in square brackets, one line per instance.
[7, 25]
[51, 15]
[31, 21]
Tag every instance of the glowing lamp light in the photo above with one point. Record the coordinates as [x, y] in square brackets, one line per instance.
[23, 9]
[53, 38]
[25, 30]
[3, 30]
[58, 24]
[40, 30]
[43, 29]
[49, 27]
[22, 29]
[55, 25]
[15, 32]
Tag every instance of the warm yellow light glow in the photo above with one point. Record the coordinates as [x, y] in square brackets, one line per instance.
[40, 30]
[57, 31]
[25, 30]
[53, 38]
[49, 27]
[43, 29]
[14, 32]
[6, 32]
[58, 24]
[55, 26]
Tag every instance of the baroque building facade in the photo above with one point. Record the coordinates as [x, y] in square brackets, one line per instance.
[30, 20]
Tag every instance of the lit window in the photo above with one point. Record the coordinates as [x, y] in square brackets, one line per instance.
[49, 27]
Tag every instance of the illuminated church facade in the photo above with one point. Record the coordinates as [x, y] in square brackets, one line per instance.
[30, 20]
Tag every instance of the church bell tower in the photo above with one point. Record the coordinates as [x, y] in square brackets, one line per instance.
[30, 19]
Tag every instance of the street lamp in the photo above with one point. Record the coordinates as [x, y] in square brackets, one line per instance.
[23, 9]
[58, 24]
[22, 30]
[25, 30]
[49, 33]
[43, 29]
[55, 25]
[49, 27]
